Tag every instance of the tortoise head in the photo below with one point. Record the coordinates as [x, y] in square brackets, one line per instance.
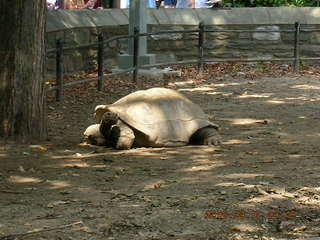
[100, 110]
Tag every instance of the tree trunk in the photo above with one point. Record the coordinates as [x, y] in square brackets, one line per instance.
[22, 59]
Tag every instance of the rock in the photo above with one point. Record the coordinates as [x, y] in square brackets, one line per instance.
[286, 226]
[267, 36]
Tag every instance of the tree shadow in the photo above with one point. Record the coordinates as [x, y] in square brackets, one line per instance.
[261, 183]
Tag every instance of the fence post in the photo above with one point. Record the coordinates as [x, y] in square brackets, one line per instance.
[200, 47]
[297, 46]
[136, 63]
[100, 62]
[59, 70]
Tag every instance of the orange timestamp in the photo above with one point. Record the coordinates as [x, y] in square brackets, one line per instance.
[257, 214]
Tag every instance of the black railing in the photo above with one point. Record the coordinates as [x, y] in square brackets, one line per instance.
[60, 85]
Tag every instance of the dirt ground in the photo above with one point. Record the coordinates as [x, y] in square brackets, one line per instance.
[262, 182]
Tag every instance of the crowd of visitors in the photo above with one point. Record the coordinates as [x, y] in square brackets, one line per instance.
[100, 4]
[73, 4]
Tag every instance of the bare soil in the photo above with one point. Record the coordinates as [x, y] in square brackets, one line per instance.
[262, 182]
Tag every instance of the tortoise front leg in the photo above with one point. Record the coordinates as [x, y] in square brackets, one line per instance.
[107, 121]
[122, 136]
[206, 136]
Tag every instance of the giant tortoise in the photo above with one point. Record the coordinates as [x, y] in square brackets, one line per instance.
[157, 117]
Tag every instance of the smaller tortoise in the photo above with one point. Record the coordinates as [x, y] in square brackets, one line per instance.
[157, 117]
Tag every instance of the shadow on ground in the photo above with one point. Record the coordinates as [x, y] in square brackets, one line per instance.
[261, 183]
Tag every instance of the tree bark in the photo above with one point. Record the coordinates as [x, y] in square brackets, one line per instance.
[22, 59]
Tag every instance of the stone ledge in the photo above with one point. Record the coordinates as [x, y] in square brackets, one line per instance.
[68, 19]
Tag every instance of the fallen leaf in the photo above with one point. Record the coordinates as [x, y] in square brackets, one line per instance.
[299, 229]
[157, 186]
[171, 181]
[21, 169]
[193, 198]
[155, 204]
[42, 148]
[236, 229]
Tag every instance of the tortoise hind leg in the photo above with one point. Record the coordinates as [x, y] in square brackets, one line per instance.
[122, 136]
[206, 136]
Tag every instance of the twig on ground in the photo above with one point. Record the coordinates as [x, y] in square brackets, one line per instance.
[13, 192]
[17, 235]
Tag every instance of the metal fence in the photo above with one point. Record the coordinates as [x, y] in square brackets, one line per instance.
[60, 49]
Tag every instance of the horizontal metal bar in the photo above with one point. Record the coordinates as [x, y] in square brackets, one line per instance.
[218, 60]
[169, 31]
[118, 37]
[226, 60]
[310, 30]
[310, 58]
[52, 88]
[52, 50]
[69, 84]
[248, 59]
[184, 63]
[89, 45]
[95, 44]
[170, 64]
[253, 31]
[120, 72]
